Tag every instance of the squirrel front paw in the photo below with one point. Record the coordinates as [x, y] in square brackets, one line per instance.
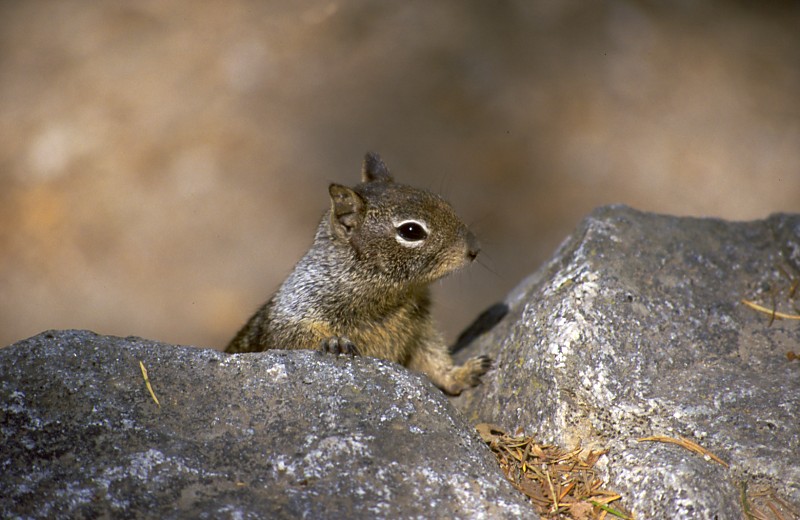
[339, 345]
[474, 368]
[455, 379]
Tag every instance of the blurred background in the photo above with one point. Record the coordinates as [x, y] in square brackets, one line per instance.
[164, 163]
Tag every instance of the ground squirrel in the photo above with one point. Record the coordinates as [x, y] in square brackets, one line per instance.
[362, 288]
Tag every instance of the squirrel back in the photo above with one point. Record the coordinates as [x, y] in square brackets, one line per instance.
[363, 286]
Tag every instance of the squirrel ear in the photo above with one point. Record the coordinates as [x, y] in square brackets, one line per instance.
[374, 169]
[347, 210]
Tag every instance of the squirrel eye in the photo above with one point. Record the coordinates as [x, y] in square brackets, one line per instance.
[411, 231]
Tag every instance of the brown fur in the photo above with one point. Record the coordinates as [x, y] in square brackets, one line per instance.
[363, 286]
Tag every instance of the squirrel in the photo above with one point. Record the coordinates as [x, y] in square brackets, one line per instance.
[363, 287]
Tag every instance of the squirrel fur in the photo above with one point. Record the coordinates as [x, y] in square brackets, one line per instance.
[363, 287]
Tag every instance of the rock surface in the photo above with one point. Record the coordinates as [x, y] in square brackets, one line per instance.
[270, 435]
[636, 328]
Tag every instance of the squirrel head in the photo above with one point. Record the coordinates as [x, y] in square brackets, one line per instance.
[401, 234]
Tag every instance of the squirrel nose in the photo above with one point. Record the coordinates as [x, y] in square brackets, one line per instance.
[473, 247]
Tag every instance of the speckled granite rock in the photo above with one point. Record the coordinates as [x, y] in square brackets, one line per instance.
[635, 328]
[271, 435]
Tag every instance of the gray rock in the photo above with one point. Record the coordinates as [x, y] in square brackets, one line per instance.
[270, 435]
[635, 328]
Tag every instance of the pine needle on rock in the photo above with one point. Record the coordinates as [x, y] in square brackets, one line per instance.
[561, 484]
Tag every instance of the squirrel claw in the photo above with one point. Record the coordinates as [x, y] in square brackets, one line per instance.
[339, 345]
[476, 367]
[485, 363]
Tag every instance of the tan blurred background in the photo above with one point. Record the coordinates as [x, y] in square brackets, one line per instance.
[163, 164]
